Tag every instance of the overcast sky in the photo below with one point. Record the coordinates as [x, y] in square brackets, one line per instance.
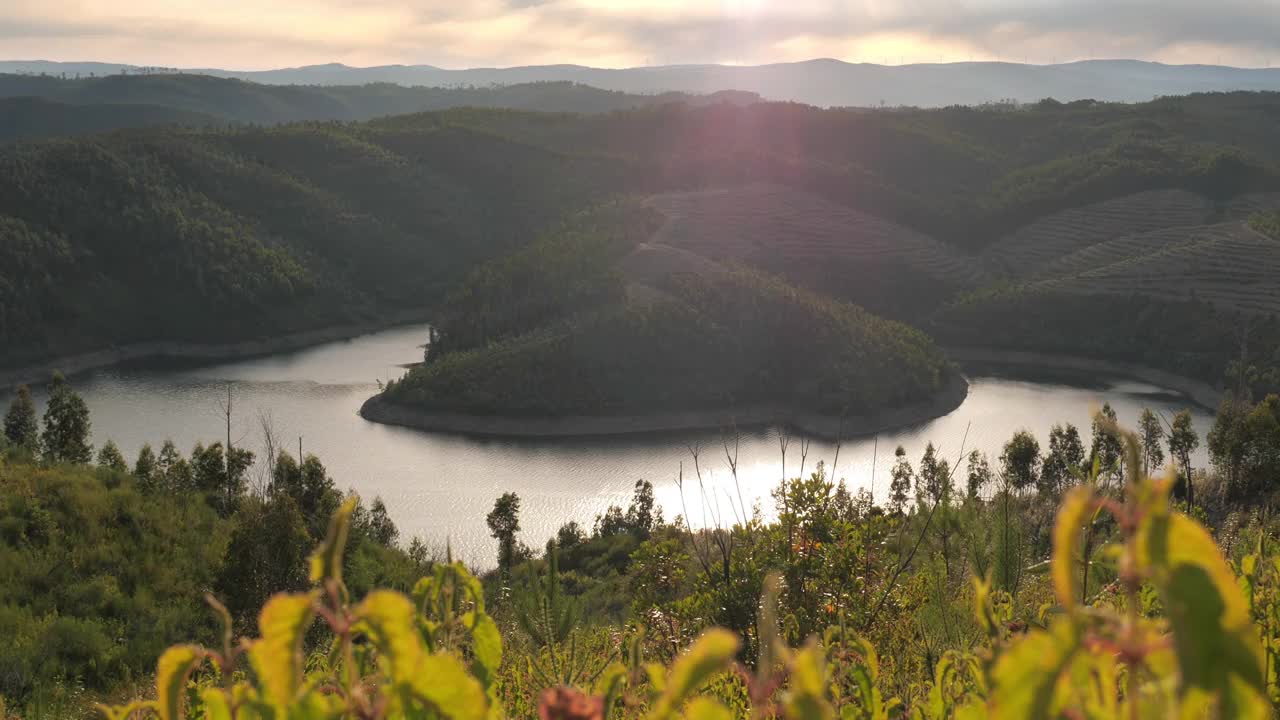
[256, 34]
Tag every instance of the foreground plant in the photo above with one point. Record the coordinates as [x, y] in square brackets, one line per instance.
[1175, 636]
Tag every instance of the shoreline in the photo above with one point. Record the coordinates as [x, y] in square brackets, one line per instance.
[952, 395]
[1198, 392]
[946, 400]
[71, 365]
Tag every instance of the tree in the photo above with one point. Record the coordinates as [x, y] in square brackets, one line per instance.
[1152, 433]
[504, 523]
[979, 475]
[900, 485]
[220, 476]
[570, 535]
[109, 457]
[1065, 458]
[267, 554]
[379, 526]
[1106, 450]
[642, 517]
[310, 487]
[1229, 440]
[20, 427]
[1020, 460]
[934, 481]
[66, 425]
[1182, 442]
[145, 468]
[173, 472]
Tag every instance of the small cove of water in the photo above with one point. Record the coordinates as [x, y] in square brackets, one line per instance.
[440, 486]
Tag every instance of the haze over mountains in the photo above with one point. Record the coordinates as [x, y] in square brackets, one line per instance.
[822, 82]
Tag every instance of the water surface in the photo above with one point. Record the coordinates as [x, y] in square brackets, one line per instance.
[440, 486]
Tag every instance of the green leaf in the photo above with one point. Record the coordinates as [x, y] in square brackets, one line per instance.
[1217, 646]
[707, 709]
[215, 703]
[486, 646]
[172, 671]
[277, 655]
[807, 696]
[440, 680]
[610, 683]
[1027, 675]
[1072, 515]
[712, 653]
[326, 561]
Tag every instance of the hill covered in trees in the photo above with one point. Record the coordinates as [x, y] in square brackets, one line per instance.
[729, 340]
[216, 235]
[91, 104]
[824, 82]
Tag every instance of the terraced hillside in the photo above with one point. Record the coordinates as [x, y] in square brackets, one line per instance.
[1033, 248]
[1245, 206]
[1228, 264]
[813, 241]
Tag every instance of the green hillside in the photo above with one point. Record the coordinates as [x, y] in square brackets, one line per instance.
[99, 103]
[220, 234]
[734, 339]
[212, 236]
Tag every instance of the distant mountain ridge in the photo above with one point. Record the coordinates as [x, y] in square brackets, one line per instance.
[822, 82]
[42, 105]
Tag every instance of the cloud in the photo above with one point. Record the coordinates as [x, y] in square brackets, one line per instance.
[250, 33]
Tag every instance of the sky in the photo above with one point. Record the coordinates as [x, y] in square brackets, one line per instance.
[260, 34]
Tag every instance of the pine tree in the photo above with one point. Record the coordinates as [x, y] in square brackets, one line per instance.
[20, 427]
[1107, 451]
[109, 457]
[145, 469]
[900, 486]
[979, 474]
[1152, 434]
[66, 425]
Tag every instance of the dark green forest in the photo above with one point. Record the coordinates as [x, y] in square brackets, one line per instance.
[209, 235]
[732, 339]
[83, 105]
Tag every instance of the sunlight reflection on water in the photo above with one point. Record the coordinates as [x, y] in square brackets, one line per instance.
[440, 486]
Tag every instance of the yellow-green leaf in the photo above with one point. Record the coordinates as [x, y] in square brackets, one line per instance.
[172, 671]
[610, 683]
[486, 646]
[807, 696]
[277, 655]
[326, 561]
[1072, 515]
[707, 709]
[1217, 647]
[1026, 676]
[216, 705]
[713, 652]
[441, 680]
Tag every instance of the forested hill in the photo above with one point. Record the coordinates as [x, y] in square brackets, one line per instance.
[204, 236]
[28, 117]
[824, 82]
[219, 234]
[97, 103]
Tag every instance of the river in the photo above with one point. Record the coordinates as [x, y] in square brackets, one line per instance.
[440, 486]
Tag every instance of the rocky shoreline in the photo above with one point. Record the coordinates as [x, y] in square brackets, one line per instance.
[953, 393]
